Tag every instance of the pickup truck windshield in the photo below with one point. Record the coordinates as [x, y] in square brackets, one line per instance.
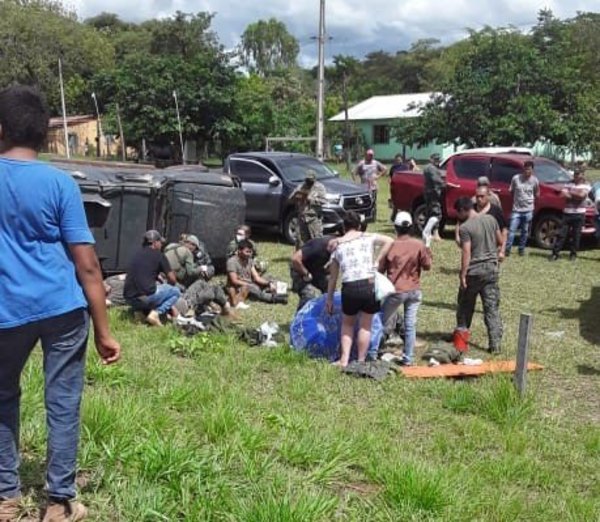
[296, 169]
[550, 172]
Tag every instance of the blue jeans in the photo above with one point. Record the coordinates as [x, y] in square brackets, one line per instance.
[64, 341]
[520, 221]
[162, 300]
[411, 301]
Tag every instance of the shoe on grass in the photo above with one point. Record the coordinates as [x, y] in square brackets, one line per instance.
[10, 509]
[153, 318]
[242, 306]
[65, 511]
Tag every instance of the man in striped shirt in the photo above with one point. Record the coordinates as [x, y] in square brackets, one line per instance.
[576, 194]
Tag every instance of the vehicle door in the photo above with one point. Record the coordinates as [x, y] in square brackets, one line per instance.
[462, 173]
[503, 171]
[262, 188]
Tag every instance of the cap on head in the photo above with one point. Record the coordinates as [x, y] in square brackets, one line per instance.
[310, 176]
[153, 235]
[483, 181]
[435, 157]
[370, 152]
[193, 240]
[403, 219]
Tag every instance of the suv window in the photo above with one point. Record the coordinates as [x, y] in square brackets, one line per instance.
[471, 168]
[250, 172]
[549, 172]
[503, 171]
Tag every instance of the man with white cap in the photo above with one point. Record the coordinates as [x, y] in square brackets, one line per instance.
[403, 265]
[368, 171]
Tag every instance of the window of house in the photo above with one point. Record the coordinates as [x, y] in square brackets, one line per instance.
[381, 134]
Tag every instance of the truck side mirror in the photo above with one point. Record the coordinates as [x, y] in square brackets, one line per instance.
[274, 181]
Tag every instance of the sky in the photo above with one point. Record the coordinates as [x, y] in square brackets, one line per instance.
[354, 27]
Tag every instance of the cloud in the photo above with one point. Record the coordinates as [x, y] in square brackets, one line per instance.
[355, 26]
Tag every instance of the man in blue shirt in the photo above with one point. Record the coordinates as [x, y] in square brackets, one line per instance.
[50, 283]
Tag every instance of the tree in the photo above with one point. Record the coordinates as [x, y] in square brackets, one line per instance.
[268, 46]
[33, 35]
[191, 62]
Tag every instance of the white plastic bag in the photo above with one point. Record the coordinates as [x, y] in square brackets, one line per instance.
[383, 287]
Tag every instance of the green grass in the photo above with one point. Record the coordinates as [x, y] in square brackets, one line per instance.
[210, 429]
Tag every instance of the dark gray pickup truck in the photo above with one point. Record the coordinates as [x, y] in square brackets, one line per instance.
[269, 178]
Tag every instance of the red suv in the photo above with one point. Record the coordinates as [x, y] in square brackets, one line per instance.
[462, 171]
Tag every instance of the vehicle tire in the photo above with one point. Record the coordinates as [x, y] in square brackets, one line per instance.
[545, 230]
[290, 227]
[419, 216]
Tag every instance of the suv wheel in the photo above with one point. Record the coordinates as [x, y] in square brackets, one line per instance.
[546, 229]
[290, 227]
[419, 216]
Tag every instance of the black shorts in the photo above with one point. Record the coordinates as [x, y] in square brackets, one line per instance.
[359, 296]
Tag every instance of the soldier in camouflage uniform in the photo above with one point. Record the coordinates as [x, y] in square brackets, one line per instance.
[309, 199]
[481, 241]
[201, 294]
[435, 181]
[189, 259]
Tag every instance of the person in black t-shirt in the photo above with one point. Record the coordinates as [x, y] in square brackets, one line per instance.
[141, 289]
[308, 272]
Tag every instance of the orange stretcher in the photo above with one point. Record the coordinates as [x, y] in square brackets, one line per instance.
[463, 370]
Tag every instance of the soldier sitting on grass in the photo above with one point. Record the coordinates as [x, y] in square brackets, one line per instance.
[189, 259]
[244, 281]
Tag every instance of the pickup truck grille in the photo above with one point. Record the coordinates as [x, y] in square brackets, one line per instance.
[359, 202]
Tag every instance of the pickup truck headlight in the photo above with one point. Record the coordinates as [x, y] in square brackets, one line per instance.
[333, 199]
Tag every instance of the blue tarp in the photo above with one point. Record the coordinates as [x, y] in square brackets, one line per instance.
[315, 331]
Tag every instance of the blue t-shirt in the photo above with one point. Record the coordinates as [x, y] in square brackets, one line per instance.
[41, 212]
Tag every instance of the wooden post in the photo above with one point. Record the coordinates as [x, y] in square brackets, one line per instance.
[525, 324]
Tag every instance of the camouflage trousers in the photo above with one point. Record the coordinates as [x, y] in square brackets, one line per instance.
[201, 293]
[486, 286]
[309, 227]
[307, 291]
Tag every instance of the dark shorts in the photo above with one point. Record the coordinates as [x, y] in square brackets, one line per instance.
[359, 296]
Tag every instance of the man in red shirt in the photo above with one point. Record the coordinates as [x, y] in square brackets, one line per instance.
[403, 265]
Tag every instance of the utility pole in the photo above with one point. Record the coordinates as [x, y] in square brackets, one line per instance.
[64, 108]
[180, 130]
[123, 146]
[99, 132]
[347, 145]
[321, 83]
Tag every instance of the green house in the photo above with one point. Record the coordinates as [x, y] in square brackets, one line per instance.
[375, 118]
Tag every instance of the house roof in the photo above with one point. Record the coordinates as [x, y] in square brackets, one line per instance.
[386, 107]
[71, 120]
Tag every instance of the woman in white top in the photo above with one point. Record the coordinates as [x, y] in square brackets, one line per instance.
[354, 257]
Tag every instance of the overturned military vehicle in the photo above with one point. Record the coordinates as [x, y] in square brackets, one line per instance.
[122, 201]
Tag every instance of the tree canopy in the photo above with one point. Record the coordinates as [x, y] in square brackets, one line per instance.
[498, 86]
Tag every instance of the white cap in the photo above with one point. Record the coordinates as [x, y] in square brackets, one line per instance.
[403, 219]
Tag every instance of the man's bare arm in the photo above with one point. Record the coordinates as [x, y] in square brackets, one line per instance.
[90, 278]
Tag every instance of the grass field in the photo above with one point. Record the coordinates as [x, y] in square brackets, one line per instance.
[233, 433]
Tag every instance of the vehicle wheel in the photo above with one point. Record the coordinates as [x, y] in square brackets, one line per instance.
[545, 230]
[290, 227]
[419, 216]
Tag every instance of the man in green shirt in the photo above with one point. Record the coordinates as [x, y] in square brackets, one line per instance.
[480, 242]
